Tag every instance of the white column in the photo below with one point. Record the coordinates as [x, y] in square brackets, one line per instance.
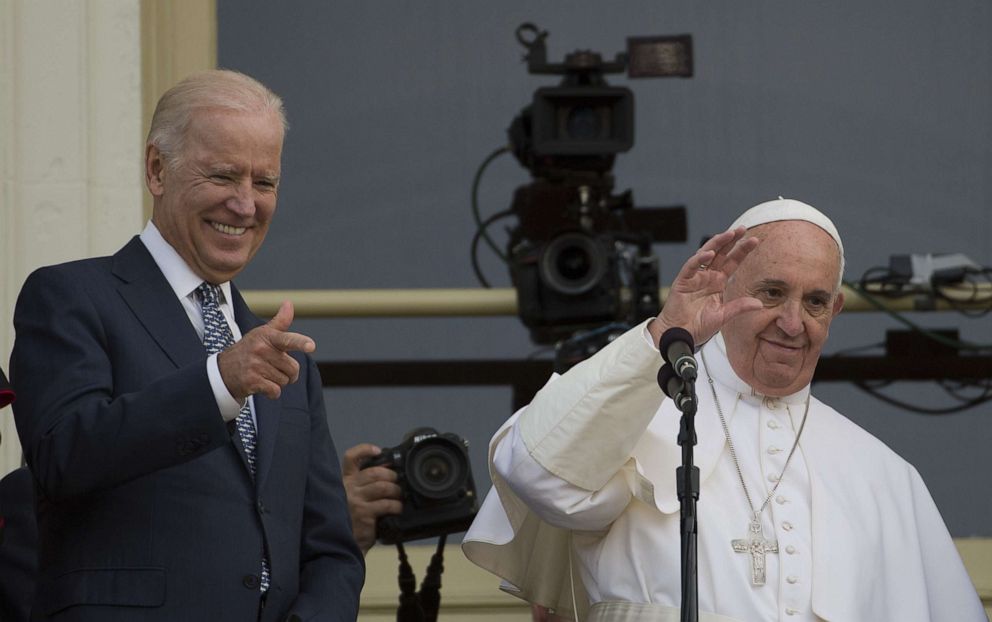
[70, 144]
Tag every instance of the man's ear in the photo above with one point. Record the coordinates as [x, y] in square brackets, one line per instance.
[154, 170]
[838, 303]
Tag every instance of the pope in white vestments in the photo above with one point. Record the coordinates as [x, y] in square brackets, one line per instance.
[802, 514]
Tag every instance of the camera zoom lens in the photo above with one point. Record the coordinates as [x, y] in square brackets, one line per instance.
[573, 263]
[436, 471]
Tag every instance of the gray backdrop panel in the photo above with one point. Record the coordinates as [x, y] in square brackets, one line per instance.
[879, 113]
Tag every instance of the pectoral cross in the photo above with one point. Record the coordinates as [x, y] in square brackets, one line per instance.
[757, 546]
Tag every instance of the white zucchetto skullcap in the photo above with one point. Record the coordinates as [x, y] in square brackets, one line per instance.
[788, 209]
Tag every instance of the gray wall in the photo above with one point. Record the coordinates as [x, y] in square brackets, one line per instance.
[880, 113]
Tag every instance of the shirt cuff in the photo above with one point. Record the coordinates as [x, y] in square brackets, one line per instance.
[229, 407]
[647, 336]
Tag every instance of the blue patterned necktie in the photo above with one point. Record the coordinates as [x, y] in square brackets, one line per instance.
[217, 335]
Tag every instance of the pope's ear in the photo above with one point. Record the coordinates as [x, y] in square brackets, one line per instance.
[154, 170]
[838, 303]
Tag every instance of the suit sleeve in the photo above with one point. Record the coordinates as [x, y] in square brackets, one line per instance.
[332, 568]
[80, 433]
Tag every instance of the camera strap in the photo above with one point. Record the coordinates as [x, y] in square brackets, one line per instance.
[422, 606]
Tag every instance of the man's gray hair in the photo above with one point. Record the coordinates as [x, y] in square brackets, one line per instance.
[216, 89]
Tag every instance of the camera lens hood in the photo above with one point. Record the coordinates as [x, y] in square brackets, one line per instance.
[436, 468]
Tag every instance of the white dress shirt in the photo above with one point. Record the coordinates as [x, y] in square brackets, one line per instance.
[184, 283]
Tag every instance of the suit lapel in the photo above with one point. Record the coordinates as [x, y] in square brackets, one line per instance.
[267, 412]
[149, 296]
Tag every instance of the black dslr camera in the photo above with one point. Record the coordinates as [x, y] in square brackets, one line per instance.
[438, 491]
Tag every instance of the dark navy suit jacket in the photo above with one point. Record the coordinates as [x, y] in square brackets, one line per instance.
[18, 545]
[146, 509]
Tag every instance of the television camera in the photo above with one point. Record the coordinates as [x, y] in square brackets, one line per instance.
[580, 255]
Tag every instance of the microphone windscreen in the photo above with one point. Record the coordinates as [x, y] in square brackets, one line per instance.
[669, 381]
[671, 336]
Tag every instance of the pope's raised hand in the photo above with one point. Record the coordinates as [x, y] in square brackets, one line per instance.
[696, 299]
[259, 362]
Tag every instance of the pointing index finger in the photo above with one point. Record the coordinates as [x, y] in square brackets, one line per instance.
[293, 342]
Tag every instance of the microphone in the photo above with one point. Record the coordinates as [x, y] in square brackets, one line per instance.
[677, 349]
[675, 388]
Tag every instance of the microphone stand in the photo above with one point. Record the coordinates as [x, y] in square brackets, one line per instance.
[687, 478]
[678, 380]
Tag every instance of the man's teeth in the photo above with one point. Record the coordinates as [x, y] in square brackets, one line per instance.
[228, 229]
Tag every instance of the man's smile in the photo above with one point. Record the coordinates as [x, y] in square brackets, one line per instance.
[227, 229]
[784, 348]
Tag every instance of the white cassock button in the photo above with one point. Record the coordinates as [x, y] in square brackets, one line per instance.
[774, 450]
[791, 550]
[773, 424]
[771, 403]
[792, 579]
[773, 478]
[787, 526]
[780, 500]
[791, 612]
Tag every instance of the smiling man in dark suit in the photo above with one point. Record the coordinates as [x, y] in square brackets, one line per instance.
[184, 466]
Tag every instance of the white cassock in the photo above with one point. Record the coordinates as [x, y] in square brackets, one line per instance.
[584, 507]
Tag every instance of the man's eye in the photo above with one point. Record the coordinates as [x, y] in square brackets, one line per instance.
[817, 304]
[772, 293]
[221, 177]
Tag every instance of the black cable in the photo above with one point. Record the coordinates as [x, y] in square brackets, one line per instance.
[474, 249]
[880, 281]
[953, 343]
[882, 285]
[475, 200]
[920, 409]
[955, 388]
[966, 401]
[956, 302]
[887, 286]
